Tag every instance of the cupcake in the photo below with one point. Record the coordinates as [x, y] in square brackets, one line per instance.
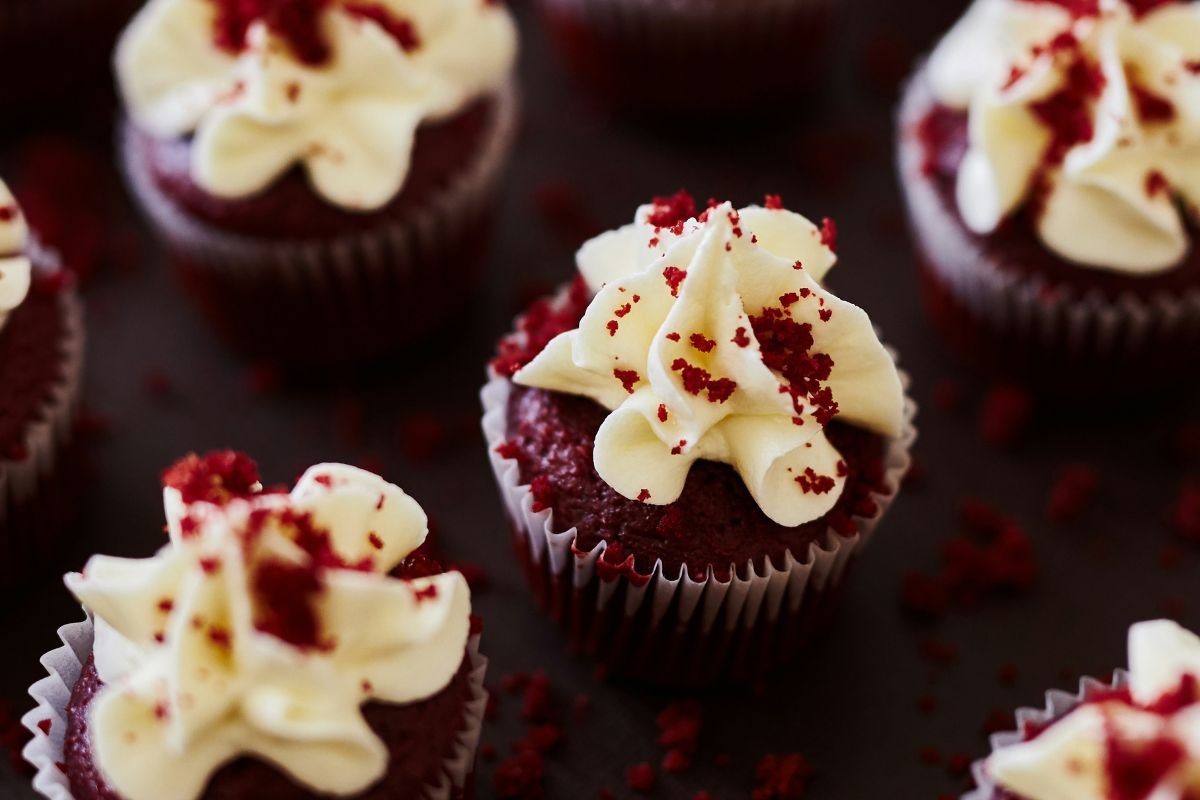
[56, 48]
[1135, 738]
[41, 364]
[1045, 152]
[746, 51]
[321, 173]
[284, 645]
[694, 441]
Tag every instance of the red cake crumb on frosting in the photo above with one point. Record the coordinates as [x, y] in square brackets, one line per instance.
[671, 211]
[217, 477]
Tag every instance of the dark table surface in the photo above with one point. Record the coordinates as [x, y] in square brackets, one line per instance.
[166, 387]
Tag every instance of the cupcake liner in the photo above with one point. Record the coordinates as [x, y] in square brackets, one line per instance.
[1058, 704]
[1053, 326]
[677, 630]
[345, 298]
[612, 46]
[65, 664]
[37, 491]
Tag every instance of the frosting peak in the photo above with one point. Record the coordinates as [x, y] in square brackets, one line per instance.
[1131, 744]
[1088, 111]
[711, 337]
[261, 629]
[15, 268]
[340, 86]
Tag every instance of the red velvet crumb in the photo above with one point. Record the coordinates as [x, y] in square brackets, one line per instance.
[782, 777]
[218, 477]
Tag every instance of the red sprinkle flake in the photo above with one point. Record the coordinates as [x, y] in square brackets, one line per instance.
[612, 327]
[811, 482]
[662, 412]
[740, 338]
[825, 314]
[773, 202]
[674, 276]
[210, 565]
[1007, 412]
[782, 777]
[623, 310]
[677, 449]
[829, 233]
[787, 350]
[429, 592]
[641, 778]
[1151, 108]
[543, 493]
[627, 377]
[798, 265]
[218, 477]
[44, 725]
[293, 91]
[399, 28]
[8, 213]
[1073, 491]
[1156, 183]
[643, 495]
[1067, 112]
[788, 299]
[166, 605]
[674, 210]
[702, 343]
[674, 337]
[374, 540]
[220, 637]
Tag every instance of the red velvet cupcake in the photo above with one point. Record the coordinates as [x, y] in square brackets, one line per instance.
[1045, 151]
[284, 645]
[41, 364]
[322, 172]
[698, 57]
[52, 49]
[694, 441]
[1134, 738]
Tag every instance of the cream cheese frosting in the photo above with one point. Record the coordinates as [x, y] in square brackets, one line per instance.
[1143, 744]
[711, 337]
[339, 86]
[260, 629]
[15, 267]
[1090, 112]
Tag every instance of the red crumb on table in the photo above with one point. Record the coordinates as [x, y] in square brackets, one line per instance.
[679, 726]
[1074, 489]
[520, 777]
[1185, 512]
[1007, 412]
[782, 777]
[641, 778]
[562, 208]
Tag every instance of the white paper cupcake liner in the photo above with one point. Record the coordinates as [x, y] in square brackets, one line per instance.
[65, 664]
[1028, 308]
[52, 432]
[1058, 704]
[753, 608]
[359, 286]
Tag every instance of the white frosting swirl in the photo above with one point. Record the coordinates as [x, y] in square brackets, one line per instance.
[1122, 88]
[350, 118]
[1078, 756]
[676, 359]
[189, 644]
[15, 268]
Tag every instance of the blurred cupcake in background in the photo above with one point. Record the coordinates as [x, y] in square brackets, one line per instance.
[1135, 737]
[1047, 155]
[41, 365]
[698, 57]
[322, 173]
[695, 440]
[53, 52]
[279, 645]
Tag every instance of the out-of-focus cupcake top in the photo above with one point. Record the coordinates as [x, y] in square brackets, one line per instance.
[262, 627]
[1137, 743]
[711, 337]
[1088, 111]
[14, 264]
[336, 85]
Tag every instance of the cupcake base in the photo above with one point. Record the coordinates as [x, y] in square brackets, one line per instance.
[347, 296]
[1010, 318]
[55, 755]
[679, 629]
[625, 52]
[41, 469]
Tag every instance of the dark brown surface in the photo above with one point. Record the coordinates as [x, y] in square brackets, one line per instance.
[852, 706]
